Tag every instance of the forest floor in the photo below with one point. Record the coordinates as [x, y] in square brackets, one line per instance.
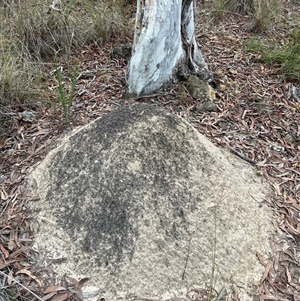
[258, 119]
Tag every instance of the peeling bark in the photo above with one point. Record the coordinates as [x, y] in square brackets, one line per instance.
[164, 41]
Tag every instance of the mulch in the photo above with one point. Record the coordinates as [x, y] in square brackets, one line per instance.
[258, 120]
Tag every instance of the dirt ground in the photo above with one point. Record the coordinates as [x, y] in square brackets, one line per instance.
[257, 120]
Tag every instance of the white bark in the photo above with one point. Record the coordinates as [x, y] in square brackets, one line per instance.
[164, 39]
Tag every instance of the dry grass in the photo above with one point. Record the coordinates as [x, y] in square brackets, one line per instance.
[266, 12]
[263, 12]
[32, 34]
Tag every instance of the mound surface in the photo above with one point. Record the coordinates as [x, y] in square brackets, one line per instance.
[139, 201]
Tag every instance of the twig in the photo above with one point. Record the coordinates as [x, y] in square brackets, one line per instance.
[222, 294]
[27, 289]
[187, 259]
[115, 103]
[243, 156]
[8, 114]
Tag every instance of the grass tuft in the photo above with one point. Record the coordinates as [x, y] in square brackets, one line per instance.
[65, 98]
[263, 12]
[285, 59]
[17, 77]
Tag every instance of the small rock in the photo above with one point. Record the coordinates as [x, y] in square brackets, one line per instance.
[233, 71]
[200, 89]
[218, 74]
[207, 106]
[90, 291]
[121, 52]
[28, 116]
[222, 87]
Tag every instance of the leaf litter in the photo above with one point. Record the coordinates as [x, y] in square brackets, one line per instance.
[258, 120]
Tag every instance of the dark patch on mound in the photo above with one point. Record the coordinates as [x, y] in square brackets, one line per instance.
[100, 198]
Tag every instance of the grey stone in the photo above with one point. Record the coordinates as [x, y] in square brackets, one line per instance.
[140, 202]
[90, 292]
[200, 89]
[207, 106]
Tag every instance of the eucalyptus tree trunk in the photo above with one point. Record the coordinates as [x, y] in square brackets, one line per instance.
[164, 45]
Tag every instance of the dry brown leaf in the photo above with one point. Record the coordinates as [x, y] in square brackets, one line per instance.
[19, 251]
[11, 245]
[54, 288]
[266, 272]
[10, 277]
[48, 296]
[277, 188]
[4, 251]
[28, 273]
[261, 163]
[297, 287]
[82, 281]
[266, 286]
[6, 263]
[291, 229]
[3, 195]
[276, 261]
[260, 258]
[62, 297]
[270, 297]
